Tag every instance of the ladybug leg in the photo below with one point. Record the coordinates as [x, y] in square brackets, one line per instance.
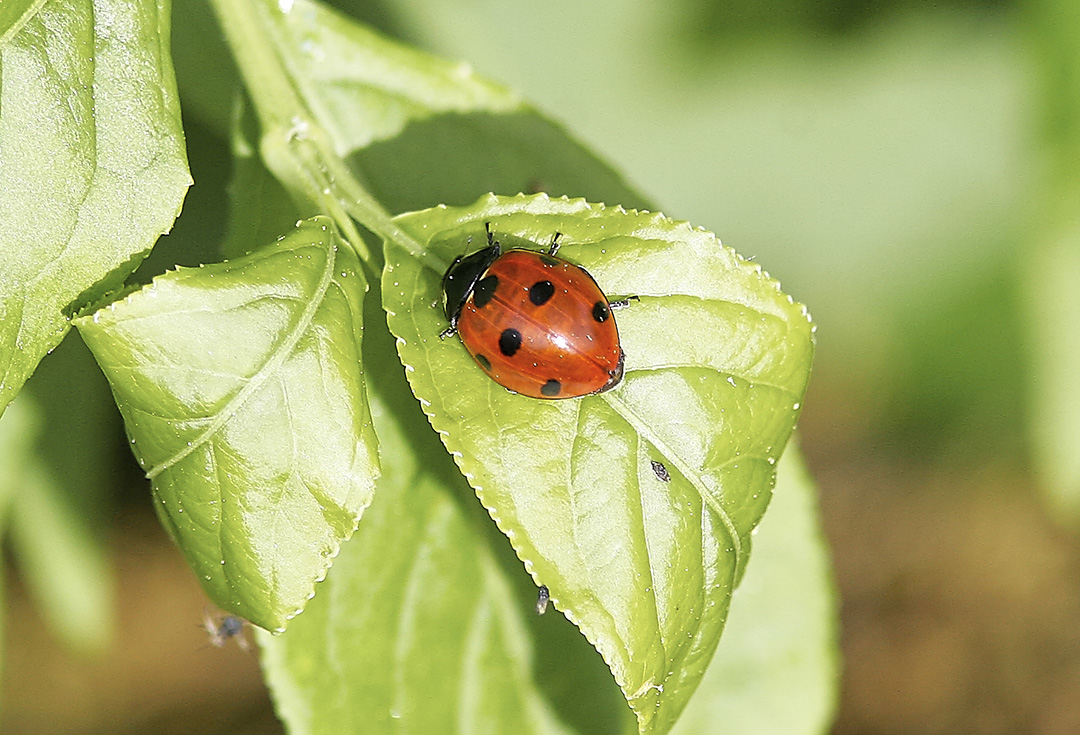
[490, 237]
[448, 332]
[554, 246]
[623, 303]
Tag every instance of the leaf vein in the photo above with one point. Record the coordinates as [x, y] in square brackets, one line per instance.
[695, 478]
[648, 548]
[261, 375]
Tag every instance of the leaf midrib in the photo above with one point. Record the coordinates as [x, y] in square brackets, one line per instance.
[645, 431]
[263, 374]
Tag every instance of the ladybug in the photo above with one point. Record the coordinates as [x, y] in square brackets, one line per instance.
[538, 325]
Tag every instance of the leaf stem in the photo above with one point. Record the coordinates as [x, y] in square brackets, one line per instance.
[273, 95]
[293, 145]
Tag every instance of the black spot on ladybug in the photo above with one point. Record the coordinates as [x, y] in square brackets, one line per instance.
[600, 311]
[484, 290]
[483, 362]
[551, 388]
[548, 260]
[540, 292]
[660, 470]
[509, 342]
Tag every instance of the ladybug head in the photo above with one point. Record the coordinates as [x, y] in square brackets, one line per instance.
[462, 275]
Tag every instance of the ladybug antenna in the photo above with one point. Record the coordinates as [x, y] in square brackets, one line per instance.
[554, 247]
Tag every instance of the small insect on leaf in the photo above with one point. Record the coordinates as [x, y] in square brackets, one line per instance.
[542, 599]
[661, 471]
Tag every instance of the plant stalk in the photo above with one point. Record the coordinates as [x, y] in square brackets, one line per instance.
[293, 145]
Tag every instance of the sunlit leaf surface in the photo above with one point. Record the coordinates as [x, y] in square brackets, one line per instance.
[92, 164]
[717, 358]
[242, 391]
[776, 669]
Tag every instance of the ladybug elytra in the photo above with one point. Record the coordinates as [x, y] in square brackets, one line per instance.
[536, 324]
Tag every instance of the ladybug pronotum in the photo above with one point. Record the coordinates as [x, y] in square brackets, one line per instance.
[538, 325]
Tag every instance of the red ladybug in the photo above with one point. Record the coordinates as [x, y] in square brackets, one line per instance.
[537, 324]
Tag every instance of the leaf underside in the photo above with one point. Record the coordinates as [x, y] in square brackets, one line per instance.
[417, 630]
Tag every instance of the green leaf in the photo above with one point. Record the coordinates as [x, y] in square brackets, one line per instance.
[1054, 318]
[335, 666]
[80, 428]
[63, 564]
[241, 389]
[60, 558]
[418, 629]
[362, 87]
[205, 72]
[14, 14]
[437, 155]
[92, 164]
[717, 359]
[259, 206]
[775, 671]
[391, 110]
[18, 429]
